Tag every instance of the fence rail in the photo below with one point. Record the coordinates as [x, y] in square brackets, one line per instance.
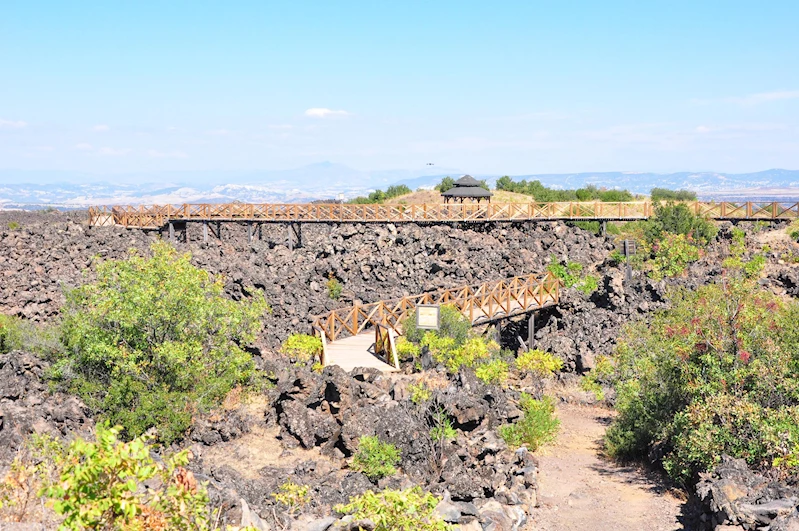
[156, 216]
[482, 303]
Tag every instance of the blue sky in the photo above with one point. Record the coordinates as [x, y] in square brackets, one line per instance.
[486, 87]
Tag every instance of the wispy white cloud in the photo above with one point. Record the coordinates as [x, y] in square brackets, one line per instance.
[321, 112]
[100, 128]
[113, 152]
[12, 124]
[753, 99]
[154, 153]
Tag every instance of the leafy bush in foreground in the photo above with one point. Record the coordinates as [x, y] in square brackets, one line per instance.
[492, 372]
[375, 458]
[718, 373]
[397, 510]
[154, 340]
[537, 426]
[100, 487]
[571, 273]
[673, 218]
[672, 254]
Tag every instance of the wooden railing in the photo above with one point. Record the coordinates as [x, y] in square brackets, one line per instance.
[486, 302]
[157, 216]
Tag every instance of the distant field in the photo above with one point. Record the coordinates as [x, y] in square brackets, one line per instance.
[432, 196]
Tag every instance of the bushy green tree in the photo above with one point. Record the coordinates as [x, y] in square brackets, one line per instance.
[678, 219]
[717, 373]
[153, 340]
[445, 184]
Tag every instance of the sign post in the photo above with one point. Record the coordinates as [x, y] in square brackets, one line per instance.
[428, 316]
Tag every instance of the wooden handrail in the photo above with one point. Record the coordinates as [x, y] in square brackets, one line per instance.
[483, 303]
[156, 216]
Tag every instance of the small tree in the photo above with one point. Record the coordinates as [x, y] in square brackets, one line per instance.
[154, 340]
[445, 184]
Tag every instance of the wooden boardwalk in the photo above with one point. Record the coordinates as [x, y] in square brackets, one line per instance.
[158, 216]
[356, 351]
[364, 335]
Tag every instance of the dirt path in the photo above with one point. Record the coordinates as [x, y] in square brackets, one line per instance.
[580, 490]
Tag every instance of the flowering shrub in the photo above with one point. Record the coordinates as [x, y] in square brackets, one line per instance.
[715, 374]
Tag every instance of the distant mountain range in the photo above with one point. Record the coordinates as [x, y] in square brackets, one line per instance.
[31, 189]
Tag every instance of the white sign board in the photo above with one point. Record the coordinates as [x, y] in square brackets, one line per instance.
[428, 316]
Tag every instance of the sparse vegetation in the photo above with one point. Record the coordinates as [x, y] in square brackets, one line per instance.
[397, 510]
[20, 334]
[419, 393]
[292, 496]
[664, 194]
[334, 287]
[571, 273]
[154, 340]
[13, 225]
[442, 429]
[537, 426]
[375, 458]
[544, 194]
[379, 196]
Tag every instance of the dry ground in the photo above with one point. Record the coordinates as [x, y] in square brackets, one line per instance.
[580, 489]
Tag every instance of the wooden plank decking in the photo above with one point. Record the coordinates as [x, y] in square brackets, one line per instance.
[356, 351]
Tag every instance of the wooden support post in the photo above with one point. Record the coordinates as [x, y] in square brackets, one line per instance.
[205, 231]
[171, 232]
[291, 237]
[219, 230]
[249, 232]
[260, 231]
[604, 229]
[531, 331]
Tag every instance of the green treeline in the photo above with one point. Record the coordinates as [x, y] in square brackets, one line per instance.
[378, 196]
[547, 195]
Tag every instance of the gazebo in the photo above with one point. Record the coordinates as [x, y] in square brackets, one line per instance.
[467, 187]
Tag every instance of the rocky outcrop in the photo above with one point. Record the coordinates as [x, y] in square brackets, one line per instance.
[735, 497]
[27, 406]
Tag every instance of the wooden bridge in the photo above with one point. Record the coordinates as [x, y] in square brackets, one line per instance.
[358, 336]
[156, 217]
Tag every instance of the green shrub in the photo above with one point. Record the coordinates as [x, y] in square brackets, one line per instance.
[793, 229]
[419, 393]
[375, 458]
[292, 496]
[542, 193]
[751, 268]
[664, 194]
[442, 429]
[590, 226]
[378, 196]
[571, 273]
[537, 426]
[20, 334]
[468, 354]
[493, 372]
[334, 288]
[302, 347]
[406, 349]
[539, 363]
[672, 254]
[101, 486]
[587, 384]
[678, 219]
[13, 225]
[453, 324]
[715, 374]
[154, 340]
[397, 510]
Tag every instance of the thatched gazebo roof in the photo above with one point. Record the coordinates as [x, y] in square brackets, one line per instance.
[467, 187]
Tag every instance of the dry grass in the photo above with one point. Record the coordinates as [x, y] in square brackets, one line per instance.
[432, 196]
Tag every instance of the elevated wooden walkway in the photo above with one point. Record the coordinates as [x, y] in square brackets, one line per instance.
[158, 216]
[355, 335]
